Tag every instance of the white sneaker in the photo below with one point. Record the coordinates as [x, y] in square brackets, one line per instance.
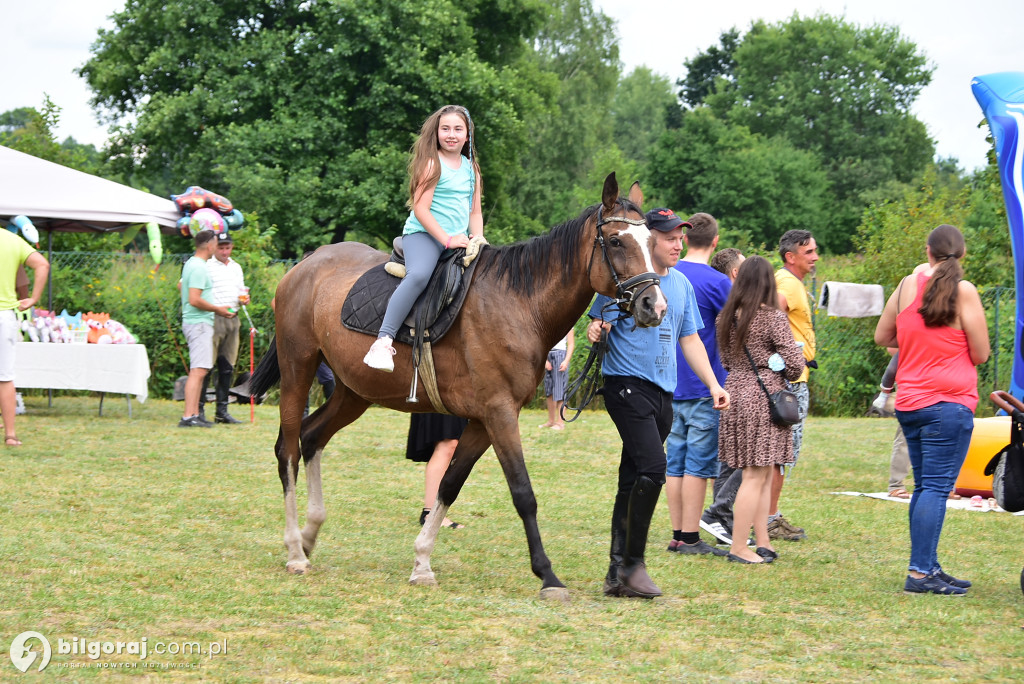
[716, 530]
[380, 355]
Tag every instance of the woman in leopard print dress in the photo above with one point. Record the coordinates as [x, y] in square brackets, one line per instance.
[747, 437]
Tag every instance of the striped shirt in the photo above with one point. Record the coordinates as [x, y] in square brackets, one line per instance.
[227, 281]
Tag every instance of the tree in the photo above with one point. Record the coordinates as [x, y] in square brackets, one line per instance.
[704, 71]
[640, 111]
[834, 89]
[753, 184]
[575, 48]
[305, 111]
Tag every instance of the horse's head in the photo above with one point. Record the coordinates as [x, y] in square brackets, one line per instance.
[625, 243]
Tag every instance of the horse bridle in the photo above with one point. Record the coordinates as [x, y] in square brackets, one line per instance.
[627, 292]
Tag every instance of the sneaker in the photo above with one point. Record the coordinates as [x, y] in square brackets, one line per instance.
[380, 355]
[953, 581]
[931, 584]
[701, 547]
[780, 528]
[192, 421]
[717, 530]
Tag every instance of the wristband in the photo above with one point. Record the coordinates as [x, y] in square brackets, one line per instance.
[885, 389]
[448, 242]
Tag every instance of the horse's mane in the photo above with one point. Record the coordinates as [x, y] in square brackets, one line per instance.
[518, 264]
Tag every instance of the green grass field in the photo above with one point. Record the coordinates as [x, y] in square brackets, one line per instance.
[119, 530]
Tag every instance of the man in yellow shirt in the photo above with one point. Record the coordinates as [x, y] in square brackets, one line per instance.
[14, 252]
[799, 253]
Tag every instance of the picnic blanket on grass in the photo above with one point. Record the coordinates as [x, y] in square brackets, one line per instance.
[964, 504]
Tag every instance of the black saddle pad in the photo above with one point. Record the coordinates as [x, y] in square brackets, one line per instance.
[363, 310]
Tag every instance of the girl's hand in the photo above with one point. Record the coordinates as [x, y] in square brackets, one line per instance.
[457, 242]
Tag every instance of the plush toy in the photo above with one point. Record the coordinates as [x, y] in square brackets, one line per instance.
[97, 328]
[119, 333]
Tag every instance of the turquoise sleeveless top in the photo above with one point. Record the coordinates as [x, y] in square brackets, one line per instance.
[451, 202]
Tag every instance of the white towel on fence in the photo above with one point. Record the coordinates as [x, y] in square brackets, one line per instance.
[852, 300]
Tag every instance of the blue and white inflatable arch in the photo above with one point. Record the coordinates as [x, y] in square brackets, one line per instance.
[1001, 97]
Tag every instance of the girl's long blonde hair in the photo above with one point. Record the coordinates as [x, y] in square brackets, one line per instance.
[424, 153]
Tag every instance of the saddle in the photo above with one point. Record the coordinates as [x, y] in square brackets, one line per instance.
[432, 315]
[434, 311]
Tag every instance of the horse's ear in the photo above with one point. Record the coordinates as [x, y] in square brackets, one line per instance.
[636, 195]
[610, 194]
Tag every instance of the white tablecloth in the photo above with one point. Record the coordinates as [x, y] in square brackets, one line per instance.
[119, 368]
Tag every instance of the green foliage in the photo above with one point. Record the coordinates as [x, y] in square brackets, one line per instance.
[643, 101]
[892, 234]
[836, 90]
[304, 112]
[754, 184]
[576, 58]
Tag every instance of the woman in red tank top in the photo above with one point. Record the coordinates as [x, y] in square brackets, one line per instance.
[937, 321]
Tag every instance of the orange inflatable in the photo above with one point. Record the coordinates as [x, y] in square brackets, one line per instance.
[988, 439]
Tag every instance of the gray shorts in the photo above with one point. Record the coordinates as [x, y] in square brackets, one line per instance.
[200, 344]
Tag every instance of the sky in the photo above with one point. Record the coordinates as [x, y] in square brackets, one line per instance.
[45, 40]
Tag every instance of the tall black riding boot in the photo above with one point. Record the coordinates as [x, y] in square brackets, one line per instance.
[642, 500]
[612, 583]
[225, 372]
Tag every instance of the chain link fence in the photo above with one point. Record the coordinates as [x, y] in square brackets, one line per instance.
[147, 301]
[850, 364]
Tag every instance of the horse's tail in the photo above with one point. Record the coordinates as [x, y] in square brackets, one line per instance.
[267, 373]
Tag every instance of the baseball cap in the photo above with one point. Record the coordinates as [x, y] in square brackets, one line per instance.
[224, 237]
[664, 220]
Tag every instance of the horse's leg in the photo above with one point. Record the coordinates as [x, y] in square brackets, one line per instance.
[472, 444]
[342, 408]
[504, 432]
[296, 379]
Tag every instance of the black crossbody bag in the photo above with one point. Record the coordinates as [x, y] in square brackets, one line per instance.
[784, 405]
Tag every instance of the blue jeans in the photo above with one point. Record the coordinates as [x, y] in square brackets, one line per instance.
[693, 442]
[937, 440]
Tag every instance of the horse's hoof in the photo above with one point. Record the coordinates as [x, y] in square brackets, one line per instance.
[555, 593]
[423, 580]
[298, 567]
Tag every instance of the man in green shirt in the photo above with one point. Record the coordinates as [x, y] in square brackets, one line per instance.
[13, 253]
[197, 323]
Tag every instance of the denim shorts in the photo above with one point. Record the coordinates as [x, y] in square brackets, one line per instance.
[692, 446]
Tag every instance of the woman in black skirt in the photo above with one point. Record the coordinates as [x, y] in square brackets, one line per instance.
[432, 440]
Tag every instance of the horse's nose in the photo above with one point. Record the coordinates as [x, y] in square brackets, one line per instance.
[653, 306]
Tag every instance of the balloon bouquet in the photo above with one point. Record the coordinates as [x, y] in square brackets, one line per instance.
[204, 210]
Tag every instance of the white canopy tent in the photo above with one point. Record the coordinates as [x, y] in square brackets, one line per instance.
[56, 198]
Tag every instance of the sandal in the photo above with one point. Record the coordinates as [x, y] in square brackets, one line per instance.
[954, 496]
[12, 441]
[899, 493]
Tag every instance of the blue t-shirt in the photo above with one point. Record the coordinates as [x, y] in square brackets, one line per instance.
[649, 353]
[450, 205]
[711, 288]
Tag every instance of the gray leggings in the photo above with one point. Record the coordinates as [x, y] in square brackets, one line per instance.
[421, 254]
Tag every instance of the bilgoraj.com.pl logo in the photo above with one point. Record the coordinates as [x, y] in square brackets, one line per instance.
[33, 649]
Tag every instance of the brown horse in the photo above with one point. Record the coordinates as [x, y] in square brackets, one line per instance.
[523, 298]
